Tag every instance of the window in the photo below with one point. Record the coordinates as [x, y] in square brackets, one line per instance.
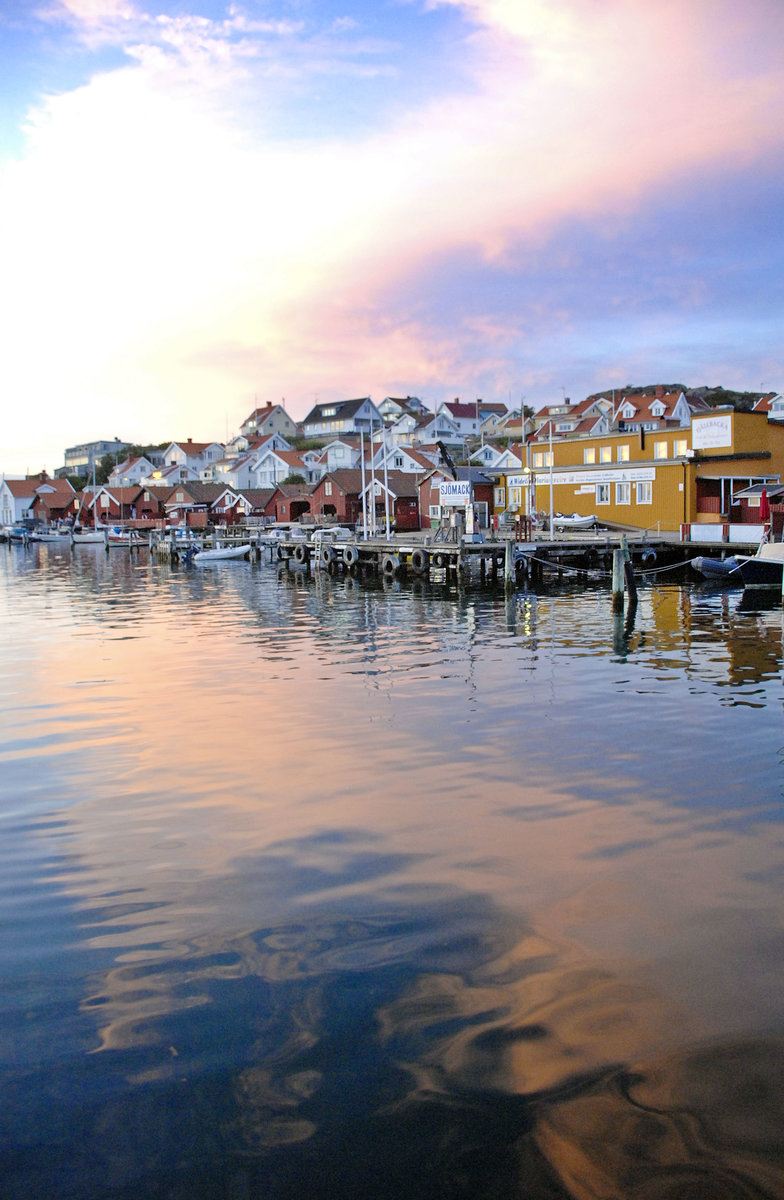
[680, 448]
[328, 488]
[435, 511]
[180, 497]
[104, 500]
[515, 497]
[499, 497]
[543, 458]
[605, 454]
[602, 493]
[644, 492]
[623, 493]
[623, 454]
[659, 449]
[589, 455]
[397, 461]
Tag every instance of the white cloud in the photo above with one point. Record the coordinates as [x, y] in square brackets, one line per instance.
[156, 246]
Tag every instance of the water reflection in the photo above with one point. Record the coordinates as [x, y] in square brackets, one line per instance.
[319, 887]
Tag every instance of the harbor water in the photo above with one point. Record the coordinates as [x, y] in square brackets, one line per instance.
[315, 888]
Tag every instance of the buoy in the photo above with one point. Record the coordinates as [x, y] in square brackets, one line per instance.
[418, 561]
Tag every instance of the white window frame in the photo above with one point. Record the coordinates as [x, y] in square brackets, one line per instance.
[644, 491]
[499, 497]
[623, 493]
[589, 456]
[435, 511]
[660, 450]
[680, 447]
[602, 493]
[624, 453]
[605, 454]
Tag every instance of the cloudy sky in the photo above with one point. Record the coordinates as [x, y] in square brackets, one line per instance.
[208, 205]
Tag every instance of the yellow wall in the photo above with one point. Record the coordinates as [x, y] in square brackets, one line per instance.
[750, 446]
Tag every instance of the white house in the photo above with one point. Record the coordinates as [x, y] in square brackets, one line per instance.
[342, 416]
[132, 470]
[16, 498]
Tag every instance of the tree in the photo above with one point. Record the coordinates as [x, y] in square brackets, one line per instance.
[295, 478]
[105, 468]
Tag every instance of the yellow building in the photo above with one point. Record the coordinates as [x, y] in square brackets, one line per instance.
[650, 480]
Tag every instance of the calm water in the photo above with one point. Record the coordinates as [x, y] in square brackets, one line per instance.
[317, 889]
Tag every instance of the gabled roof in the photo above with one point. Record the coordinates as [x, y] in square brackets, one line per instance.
[20, 488]
[461, 411]
[340, 409]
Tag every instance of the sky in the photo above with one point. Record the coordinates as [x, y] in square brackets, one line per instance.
[208, 206]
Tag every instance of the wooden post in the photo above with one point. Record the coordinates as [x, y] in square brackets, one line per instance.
[617, 580]
[509, 578]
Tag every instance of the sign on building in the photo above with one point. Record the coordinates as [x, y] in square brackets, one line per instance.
[711, 433]
[455, 492]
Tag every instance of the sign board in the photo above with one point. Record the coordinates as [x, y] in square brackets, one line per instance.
[711, 433]
[606, 475]
[455, 492]
[518, 480]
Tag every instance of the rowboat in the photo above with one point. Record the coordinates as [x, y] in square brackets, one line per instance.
[575, 521]
[203, 558]
[718, 569]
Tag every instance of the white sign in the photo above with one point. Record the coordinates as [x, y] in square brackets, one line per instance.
[711, 433]
[609, 475]
[455, 491]
[518, 480]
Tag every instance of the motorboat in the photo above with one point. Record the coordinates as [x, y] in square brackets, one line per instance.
[57, 535]
[763, 569]
[718, 570]
[81, 537]
[202, 558]
[575, 521]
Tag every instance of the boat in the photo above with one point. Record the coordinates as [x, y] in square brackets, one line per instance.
[81, 537]
[575, 521]
[60, 536]
[201, 558]
[763, 569]
[117, 536]
[718, 569]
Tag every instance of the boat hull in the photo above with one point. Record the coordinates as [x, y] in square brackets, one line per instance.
[761, 572]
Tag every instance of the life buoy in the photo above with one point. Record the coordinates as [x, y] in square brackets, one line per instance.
[390, 564]
[649, 556]
[300, 553]
[327, 555]
[439, 559]
[350, 556]
[418, 561]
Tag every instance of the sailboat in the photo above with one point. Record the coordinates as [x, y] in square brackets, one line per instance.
[89, 536]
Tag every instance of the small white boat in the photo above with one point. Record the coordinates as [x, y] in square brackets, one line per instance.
[82, 537]
[201, 558]
[51, 535]
[575, 521]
